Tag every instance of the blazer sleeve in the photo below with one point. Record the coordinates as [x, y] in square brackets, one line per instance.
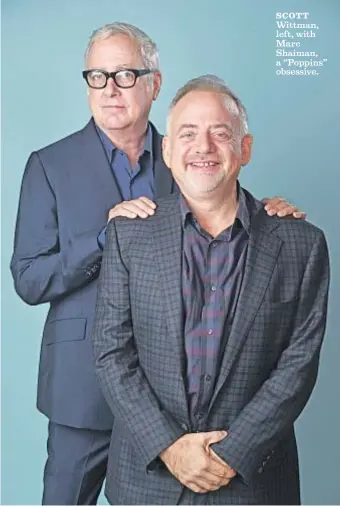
[130, 396]
[43, 270]
[259, 427]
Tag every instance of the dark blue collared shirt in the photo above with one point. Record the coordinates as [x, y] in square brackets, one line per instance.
[133, 182]
[211, 280]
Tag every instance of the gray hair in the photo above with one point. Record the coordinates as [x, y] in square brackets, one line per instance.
[148, 48]
[209, 82]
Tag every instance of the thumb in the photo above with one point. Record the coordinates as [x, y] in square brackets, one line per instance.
[214, 436]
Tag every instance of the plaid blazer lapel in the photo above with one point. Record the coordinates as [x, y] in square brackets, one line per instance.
[167, 247]
[263, 251]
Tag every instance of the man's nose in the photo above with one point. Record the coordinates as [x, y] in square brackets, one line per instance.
[204, 143]
[111, 89]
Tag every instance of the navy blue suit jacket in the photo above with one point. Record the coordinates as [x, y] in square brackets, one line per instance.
[67, 191]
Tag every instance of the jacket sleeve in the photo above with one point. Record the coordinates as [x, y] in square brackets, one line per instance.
[263, 422]
[124, 384]
[43, 270]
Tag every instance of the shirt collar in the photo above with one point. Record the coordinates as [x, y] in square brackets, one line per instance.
[242, 214]
[110, 147]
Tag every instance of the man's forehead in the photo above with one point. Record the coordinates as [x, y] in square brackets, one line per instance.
[201, 102]
[199, 111]
[120, 47]
[120, 40]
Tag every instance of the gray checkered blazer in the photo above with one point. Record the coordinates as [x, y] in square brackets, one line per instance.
[268, 370]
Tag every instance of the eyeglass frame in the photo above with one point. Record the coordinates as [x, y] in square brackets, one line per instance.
[136, 72]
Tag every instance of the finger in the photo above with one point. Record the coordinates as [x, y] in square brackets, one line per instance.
[283, 208]
[219, 468]
[231, 473]
[213, 468]
[287, 211]
[272, 202]
[207, 482]
[281, 204]
[217, 479]
[148, 202]
[290, 210]
[146, 206]
[195, 488]
[139, 207]
[299, 215]
[200, 485]
[139, 210]
[122, 212]
[214, 436]
[212, 479]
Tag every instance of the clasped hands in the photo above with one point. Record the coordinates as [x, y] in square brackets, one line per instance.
[191, 460]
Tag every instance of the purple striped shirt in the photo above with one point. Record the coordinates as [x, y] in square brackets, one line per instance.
[211, 280]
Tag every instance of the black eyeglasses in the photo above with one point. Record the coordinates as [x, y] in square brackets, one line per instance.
[124, 78]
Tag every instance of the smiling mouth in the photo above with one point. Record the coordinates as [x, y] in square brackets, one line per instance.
[201, 165]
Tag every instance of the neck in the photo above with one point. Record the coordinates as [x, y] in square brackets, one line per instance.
[131, 141]
[215, 211]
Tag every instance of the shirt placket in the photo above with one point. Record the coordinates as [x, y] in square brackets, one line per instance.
[207, 338]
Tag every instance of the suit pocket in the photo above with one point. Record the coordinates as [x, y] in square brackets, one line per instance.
[278, 307]
[69, 329]
[280, 303]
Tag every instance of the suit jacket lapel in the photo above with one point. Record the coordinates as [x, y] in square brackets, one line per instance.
[167, 247]
[263, 251]
[163, 176]
[99, 172]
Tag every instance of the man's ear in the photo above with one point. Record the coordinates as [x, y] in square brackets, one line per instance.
[166, 150]
[157, 83]
[246, 146]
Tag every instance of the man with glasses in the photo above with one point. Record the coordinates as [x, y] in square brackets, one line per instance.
[113, 167]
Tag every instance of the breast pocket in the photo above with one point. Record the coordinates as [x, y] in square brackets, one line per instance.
[68, 329]
[279, 305]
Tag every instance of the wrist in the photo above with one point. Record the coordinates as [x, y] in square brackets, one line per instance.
[165, 454]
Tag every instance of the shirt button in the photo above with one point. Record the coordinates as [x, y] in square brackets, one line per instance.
[200, 415]
[213, 288]
[214, 244]
[210, 331]
[208, 377]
